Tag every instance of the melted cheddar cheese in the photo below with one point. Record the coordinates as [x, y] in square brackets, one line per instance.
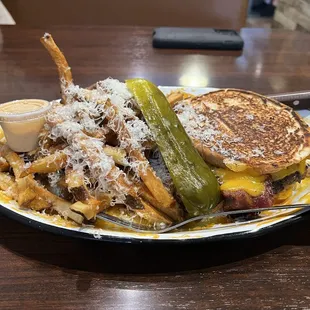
[254, 184]
[4, 198]
[234, 181]
[301, 167]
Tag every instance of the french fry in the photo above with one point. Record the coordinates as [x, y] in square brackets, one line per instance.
[26, 197]
[166, 203]
[62, 182]
[39, 204]
[147, 196]
[56, 203]
[8, 185]
[48, 164]
[154, 201]
[86, 209]
[25, 193]
[76, 185]
[151, 215]
[88, 206]
[64, 70]
[29, 182]
[6, 181]
[74, 179]
[15, 161]
[105, 200]
[123, 182]
[118, 154]
[4, 165]
[176, 96]
[148, 212]
[62, 207]
[147, 174]
[91, 207]
[152, 182]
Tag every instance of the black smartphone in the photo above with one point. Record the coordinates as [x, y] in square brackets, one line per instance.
[197, 38]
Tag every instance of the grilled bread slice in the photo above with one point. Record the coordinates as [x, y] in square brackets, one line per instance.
[242, 130]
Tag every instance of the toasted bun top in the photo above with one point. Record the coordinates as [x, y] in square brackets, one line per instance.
[241, 129]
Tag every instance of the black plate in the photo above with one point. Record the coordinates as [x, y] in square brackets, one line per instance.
[82, 235]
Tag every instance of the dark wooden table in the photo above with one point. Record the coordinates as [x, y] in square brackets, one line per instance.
[40, 270]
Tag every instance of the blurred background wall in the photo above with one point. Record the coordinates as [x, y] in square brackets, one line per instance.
[233, 14]
[188, 13]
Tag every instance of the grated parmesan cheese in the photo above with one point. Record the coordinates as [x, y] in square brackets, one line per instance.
[199, 127]
[278, 152]
[53, 178]
[81, 116]
[140, 131]
[258, 152]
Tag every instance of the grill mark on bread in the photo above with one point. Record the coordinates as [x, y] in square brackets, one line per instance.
[267, 131]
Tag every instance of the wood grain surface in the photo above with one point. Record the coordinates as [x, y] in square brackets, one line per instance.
[40, 270]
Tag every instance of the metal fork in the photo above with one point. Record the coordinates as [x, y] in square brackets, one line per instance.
[296, 100]
[159, 229]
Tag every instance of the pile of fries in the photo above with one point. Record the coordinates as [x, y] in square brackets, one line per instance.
[93, 156]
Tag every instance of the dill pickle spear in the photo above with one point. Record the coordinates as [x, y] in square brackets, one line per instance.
[194, 181]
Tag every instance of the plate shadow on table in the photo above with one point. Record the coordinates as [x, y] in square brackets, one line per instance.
[106, 257]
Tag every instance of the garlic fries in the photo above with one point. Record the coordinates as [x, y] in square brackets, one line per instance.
[92, 155]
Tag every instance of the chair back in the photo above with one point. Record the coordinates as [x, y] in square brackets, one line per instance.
[224, 14]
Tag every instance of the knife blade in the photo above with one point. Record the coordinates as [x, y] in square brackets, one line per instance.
[297, 100]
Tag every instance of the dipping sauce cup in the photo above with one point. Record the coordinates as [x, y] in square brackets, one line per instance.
[22, 121]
